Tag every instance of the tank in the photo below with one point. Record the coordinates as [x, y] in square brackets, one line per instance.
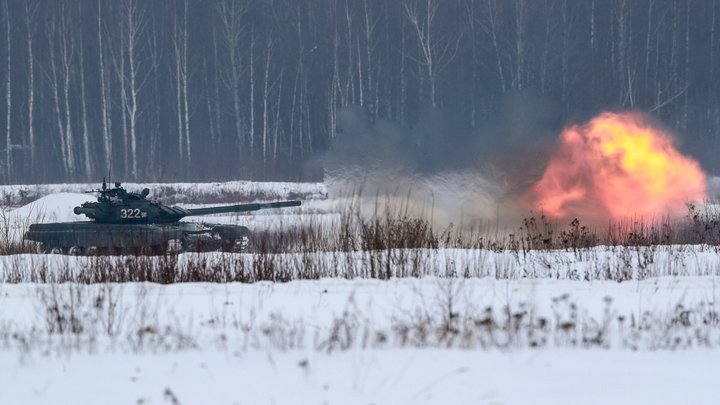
[128, 222]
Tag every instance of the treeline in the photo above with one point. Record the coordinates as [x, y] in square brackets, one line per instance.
[187, 89]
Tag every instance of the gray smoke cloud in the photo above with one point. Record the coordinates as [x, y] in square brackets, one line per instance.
[440, 169]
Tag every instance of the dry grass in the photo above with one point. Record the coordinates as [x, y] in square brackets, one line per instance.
[79, 318]
[392, 241]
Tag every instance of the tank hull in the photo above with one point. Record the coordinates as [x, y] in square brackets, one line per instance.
[84, 235]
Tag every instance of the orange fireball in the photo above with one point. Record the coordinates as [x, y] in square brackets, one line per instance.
[614, 167]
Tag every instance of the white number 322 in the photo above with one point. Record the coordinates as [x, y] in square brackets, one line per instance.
[132, 213]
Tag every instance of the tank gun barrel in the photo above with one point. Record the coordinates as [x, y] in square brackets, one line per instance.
[90, 212]
[242, 207]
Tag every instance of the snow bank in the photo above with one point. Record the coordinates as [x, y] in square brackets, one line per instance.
[51, 208]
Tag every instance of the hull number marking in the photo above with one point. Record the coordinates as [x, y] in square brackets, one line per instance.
[132, 213]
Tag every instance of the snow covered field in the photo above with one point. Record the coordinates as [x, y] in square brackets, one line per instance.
[428, 376]
[362, 341]
[619, 324]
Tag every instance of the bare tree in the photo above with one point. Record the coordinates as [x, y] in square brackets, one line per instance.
[565, 54]
[335, 87]
[648, 47]
[155, 54]
[180, 46]
[135, 20]
[269, 135]
[713, 23]
[211, 85]
[118, 52]
[350, 93]
[436, 51]
[623, 14]
[104, 113]
[8, 97]
[687, 64]
[549, 8]
[61, 53]
[520, 13]
[31, 8]
[266, 90]
[491, 24]
[373, 65]
[87, 154]
[231, 15]
[278, 108]
[186, 73]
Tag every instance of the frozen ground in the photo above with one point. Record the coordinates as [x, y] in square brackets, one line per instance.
[392, 377]
[621, 325]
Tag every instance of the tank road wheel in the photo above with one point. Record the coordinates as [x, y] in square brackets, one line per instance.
[76, 250]
[107, 251]
[227, 245]
[114, 251]
[157, 250]
[43, 248]
[235, 245]
[174, 246]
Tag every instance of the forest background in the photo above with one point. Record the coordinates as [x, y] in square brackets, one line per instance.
[170, 90]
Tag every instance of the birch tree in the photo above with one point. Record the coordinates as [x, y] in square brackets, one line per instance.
[155, 56]
[491, 24]
[8, 97]
[437, 51]
[180, 46]
[30, 9]
[86, 143]
[270, 43]
[104, 90]
[61, 53]
[231, 15]
[135, 24]
[520, 13]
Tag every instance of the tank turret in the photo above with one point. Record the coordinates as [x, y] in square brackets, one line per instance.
[118, 206]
